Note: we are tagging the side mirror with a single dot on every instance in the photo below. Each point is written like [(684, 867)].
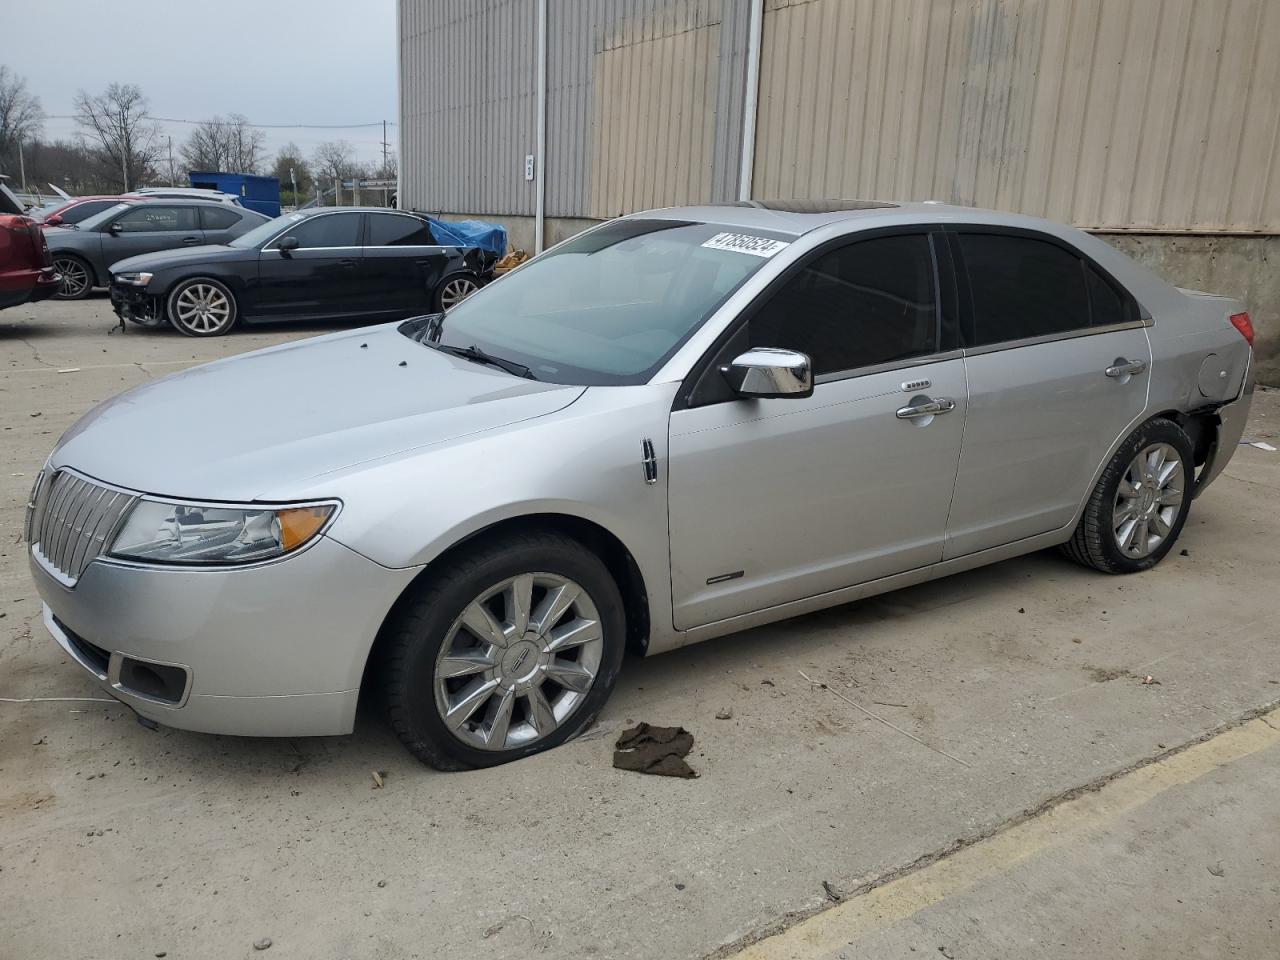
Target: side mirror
[(287, 244), (116, 229), (766, 372)]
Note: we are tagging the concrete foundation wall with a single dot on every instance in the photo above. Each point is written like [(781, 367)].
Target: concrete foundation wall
[(1237, 266)]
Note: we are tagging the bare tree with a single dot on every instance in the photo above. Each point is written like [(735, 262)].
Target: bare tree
[(116, 126), (20, 115), (334, 159), (229, 146)]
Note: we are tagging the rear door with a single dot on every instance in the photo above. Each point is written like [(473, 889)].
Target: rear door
[(220, 224), (320, 278), (401, 265), (148, 227), (1057, 358)]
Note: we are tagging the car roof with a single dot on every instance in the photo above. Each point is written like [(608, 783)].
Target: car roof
[(798, 217)]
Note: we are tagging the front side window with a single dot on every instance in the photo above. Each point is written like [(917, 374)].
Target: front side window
[(392, 230), (155, 218), (327, 230), (83, 211), (611, 305), (867, 303), (1022, 287)]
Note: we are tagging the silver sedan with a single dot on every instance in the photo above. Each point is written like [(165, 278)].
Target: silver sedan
[(674, 426)]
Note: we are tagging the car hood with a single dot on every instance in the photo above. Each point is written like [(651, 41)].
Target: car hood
[(163, 259), (262, 425)]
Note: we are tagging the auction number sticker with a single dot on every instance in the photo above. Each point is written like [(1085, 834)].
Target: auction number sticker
[(744, 243)]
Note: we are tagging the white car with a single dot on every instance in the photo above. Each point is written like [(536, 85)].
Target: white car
[(186, 193)]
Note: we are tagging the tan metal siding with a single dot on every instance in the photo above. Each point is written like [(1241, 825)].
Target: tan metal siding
[(1110, 114)]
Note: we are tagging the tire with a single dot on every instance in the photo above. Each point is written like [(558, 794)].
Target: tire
[(202, 307), (434, 663), (452, 290), (1130, 529), (77, 277)]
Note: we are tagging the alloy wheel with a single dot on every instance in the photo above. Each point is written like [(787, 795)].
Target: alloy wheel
[(75, 278), (455, 291), (518, 661), (203, 308), (1148, 500)]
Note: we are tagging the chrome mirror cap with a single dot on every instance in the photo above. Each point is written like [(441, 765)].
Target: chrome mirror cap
[(765, 372)]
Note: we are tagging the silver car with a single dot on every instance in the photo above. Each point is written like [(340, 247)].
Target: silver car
[(677, 425)]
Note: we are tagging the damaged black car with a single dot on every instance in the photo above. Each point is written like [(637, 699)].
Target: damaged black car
[(366, 265)]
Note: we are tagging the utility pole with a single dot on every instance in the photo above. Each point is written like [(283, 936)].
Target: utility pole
[(294, 180), (384, 149), (22, 168), (172, 182)]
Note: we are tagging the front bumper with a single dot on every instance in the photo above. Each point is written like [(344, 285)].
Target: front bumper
[(132, 302), (274, 649)]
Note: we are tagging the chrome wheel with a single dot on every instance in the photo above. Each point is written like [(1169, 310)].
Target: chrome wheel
[(518, 662), (455, 291), (202, 308), (75, 278), (1148, 500)]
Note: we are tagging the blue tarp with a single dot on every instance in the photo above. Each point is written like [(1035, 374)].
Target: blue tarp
[(489, 237)]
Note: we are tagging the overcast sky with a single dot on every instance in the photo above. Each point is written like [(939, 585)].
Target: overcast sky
[(299, 62)]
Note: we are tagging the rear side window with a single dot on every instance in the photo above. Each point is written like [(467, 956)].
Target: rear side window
[(391, 230), (1106, 303), (328, 230), (218, 218), (154, 218), (1022, 287), (867, 303)]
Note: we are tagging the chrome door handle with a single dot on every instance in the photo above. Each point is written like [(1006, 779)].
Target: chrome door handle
[(928, 409), (1124, 368)]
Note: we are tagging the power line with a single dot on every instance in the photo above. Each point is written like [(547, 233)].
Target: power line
[(265, 126)]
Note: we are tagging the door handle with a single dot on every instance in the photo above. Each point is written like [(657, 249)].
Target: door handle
[(929, 408), (1125, 368), (190, 239), (347, 262)]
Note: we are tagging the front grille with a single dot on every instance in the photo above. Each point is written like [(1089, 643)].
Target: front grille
[(71, 519)]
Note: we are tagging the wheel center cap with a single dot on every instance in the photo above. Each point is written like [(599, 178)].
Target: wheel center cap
[(520, 661), (1148, 501)]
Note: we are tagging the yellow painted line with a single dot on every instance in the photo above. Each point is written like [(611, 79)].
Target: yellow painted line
[(844, 924)]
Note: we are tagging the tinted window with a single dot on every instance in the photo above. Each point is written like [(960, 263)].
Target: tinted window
[(1022, 288), (151, 217), (1108, 306), (388, 230), (82, 211), (217, 218), (327, 230), (870, 302)]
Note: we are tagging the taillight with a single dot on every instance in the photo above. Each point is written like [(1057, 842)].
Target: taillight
[(1242, 323)]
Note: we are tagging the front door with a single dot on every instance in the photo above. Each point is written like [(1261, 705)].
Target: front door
[(1056, 356), (776, 500), (148, 227), (318, 278)]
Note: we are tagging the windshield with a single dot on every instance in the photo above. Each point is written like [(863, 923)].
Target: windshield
[(610, 306), (91, 223), (265, 231)]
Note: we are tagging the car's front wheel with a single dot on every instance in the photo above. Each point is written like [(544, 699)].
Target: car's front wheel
[(510, 650), (1140, 503), (77, 277), (202, 307)]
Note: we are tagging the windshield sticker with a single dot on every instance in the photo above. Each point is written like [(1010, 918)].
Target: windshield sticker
[(744, 243)]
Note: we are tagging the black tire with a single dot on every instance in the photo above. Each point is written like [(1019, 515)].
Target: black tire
[(1094, 543), (218, 327), (446, 289), (70, 265), (407, 669)]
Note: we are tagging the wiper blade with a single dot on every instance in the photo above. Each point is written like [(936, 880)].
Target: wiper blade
[(476, 355)]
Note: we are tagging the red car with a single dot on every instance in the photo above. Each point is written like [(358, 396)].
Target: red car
[(72, 211), (26, 269)]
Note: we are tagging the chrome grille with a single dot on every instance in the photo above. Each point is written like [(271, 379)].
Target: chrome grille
[(70, 520)]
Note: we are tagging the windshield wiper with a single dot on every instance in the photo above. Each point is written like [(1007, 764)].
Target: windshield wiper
[(476, 355)]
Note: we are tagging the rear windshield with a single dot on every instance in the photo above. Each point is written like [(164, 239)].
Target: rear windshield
[(612, 305)]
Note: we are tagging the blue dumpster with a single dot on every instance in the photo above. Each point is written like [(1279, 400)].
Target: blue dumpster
[(257, 193)]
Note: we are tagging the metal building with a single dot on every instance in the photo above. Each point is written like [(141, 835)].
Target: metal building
[(1153, 122)]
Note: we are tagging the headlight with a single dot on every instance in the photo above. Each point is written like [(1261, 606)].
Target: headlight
[(161, 532), (139, 279)]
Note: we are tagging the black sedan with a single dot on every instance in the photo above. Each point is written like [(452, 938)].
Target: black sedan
[(83, 253), (371, 266)]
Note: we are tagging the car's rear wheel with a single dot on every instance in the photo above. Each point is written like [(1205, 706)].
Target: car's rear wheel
[(1140, 503), (454, 289), (511, 650), (202, 307), (77, 277)]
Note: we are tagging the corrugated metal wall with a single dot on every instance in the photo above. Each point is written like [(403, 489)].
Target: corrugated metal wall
[(1109, 114)]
